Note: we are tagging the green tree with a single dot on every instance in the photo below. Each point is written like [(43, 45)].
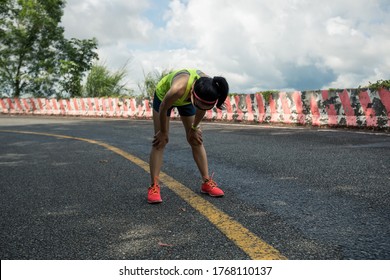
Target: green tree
[(29, 36), (76, 58), (101, 82), (34, 55)]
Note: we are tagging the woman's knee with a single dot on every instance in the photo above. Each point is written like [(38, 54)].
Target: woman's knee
[(193, 143)]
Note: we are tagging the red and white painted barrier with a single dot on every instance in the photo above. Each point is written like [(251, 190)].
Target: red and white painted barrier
[(90, 107), (350, 108), (353, 108)]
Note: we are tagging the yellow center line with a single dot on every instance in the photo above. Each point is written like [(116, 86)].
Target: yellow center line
[(251, 244)]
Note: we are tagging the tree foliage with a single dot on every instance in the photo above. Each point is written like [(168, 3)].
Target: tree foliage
[(379, 84), (35, 57), (76, 58), (101, 82)]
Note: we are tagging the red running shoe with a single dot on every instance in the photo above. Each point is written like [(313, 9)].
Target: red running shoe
[(210, 187), (154, 195)]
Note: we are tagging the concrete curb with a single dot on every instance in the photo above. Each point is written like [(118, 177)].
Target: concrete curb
[(346, 108)]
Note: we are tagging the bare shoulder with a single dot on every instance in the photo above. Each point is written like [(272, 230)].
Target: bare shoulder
[(179, 83)]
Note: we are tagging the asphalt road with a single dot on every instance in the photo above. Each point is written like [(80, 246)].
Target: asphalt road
[(308, 193)]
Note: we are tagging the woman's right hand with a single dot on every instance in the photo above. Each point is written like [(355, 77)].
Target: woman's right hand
[(195, 137), (160, 140)]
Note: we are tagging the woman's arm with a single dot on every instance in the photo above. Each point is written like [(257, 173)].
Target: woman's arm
[(199, 115), (174, 93), (195, 134)]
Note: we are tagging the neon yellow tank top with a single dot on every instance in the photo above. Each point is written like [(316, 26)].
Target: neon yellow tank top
[(165, 84)]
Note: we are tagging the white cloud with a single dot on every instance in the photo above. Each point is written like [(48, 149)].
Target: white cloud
[(107, 20), (256, 45)]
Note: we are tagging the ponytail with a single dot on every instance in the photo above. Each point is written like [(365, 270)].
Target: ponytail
[(212, 89), (222, 87)]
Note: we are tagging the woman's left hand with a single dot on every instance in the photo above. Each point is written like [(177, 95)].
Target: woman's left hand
[(195, 137)]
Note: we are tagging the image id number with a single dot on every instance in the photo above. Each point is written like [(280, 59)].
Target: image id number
[(221, 270)]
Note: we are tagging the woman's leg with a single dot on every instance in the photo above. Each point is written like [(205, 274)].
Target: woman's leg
[(198, 151), (209, 186), (156, 156)]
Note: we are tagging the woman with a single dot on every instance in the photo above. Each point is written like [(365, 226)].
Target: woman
[(192, 93)]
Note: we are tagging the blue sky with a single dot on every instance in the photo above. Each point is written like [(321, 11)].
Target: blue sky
[(256, 44), (155, 12)]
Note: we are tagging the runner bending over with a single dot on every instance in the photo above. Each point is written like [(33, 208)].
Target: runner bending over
[(192, 93)]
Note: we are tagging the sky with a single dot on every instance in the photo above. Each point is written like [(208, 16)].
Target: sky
[(256, 45)]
